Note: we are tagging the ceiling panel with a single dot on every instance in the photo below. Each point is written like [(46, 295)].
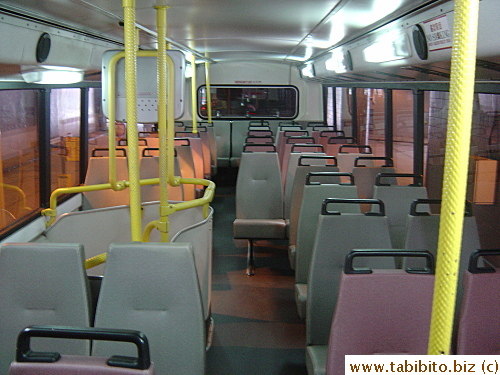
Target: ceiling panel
[(296, 29)]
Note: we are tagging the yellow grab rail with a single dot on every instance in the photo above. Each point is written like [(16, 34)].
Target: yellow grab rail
[(208, 90), (193, 94), (172, 208), (130, 34), (455, 174)]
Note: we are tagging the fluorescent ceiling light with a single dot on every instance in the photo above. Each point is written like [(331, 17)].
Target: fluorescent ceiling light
[(391, 47), (189, 71), (337, 63), (52, 75), (308, 70)]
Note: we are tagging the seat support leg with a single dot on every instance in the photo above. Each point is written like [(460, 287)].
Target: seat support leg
[(250, 259)]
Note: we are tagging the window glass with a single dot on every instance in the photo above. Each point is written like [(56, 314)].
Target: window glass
[(249, 102), (19, 150), (64, 137)]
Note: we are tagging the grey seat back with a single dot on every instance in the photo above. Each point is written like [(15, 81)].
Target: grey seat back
[(310, 210), (199, 235), (336, 236), (42, 284), (365, 176), (293, 166), (98, 173), (397, 201), (149, 168), (293, 195), (160, 298), (258, 187), (186, 164), (423, 234)]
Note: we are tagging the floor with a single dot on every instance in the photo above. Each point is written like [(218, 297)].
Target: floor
[(257, 329)]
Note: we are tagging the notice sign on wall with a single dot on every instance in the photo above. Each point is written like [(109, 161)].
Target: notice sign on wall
[(438, 33)]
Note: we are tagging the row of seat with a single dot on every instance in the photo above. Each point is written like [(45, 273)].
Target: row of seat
[(149, 287), (388, 312), (188, 163)]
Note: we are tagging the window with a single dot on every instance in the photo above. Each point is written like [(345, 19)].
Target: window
[(236, 102)]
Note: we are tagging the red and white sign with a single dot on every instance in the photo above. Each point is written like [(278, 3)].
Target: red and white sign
[(437, 33)]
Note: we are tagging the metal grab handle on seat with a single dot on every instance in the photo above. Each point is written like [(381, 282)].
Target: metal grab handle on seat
[(417, 178), (378, 202), (389, 161), (349, 269), (329, 174), (24, 353)]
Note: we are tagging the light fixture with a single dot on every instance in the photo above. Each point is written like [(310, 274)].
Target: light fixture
[(393, 46), (340, 62), (52, 75), (189, 71), (307, 71)]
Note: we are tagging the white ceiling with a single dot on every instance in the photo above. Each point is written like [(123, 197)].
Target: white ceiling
[(283, 30)]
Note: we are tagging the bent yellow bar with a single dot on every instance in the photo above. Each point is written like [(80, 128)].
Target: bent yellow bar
[(455, 174), (111, 77), (208, 90), (193, 93), (204, 201), (131, 110), (161, 23)]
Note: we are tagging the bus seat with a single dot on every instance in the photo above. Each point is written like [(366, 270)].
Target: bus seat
[(259, 201), (199, 235), (288, 176), (197, 156), (333, 144), (42, 283), (149, 168), (98, 173), (287, 170), (186, 164), (322, 133), (286, 149), (204, 135), (373, 316), (313, 197), (423, 233), (336, 236), (346, 157), (479, 324), (293, 195), (397, 200), (200, 159), (364, 176), (284, 134), (153, 288)]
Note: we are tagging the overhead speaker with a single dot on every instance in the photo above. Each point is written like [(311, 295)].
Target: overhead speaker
[(420, 42), (43, 48)]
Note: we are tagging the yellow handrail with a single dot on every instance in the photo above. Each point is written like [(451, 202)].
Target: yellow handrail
[(204, 201), (163, 61), (111, 77), (193, 94), (130, 34), (455, 174), (208, 90)]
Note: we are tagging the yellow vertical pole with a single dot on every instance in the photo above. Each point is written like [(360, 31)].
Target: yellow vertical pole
[(209, 94), (193, 93), (132, 134), (161, 23), (455, 174)]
